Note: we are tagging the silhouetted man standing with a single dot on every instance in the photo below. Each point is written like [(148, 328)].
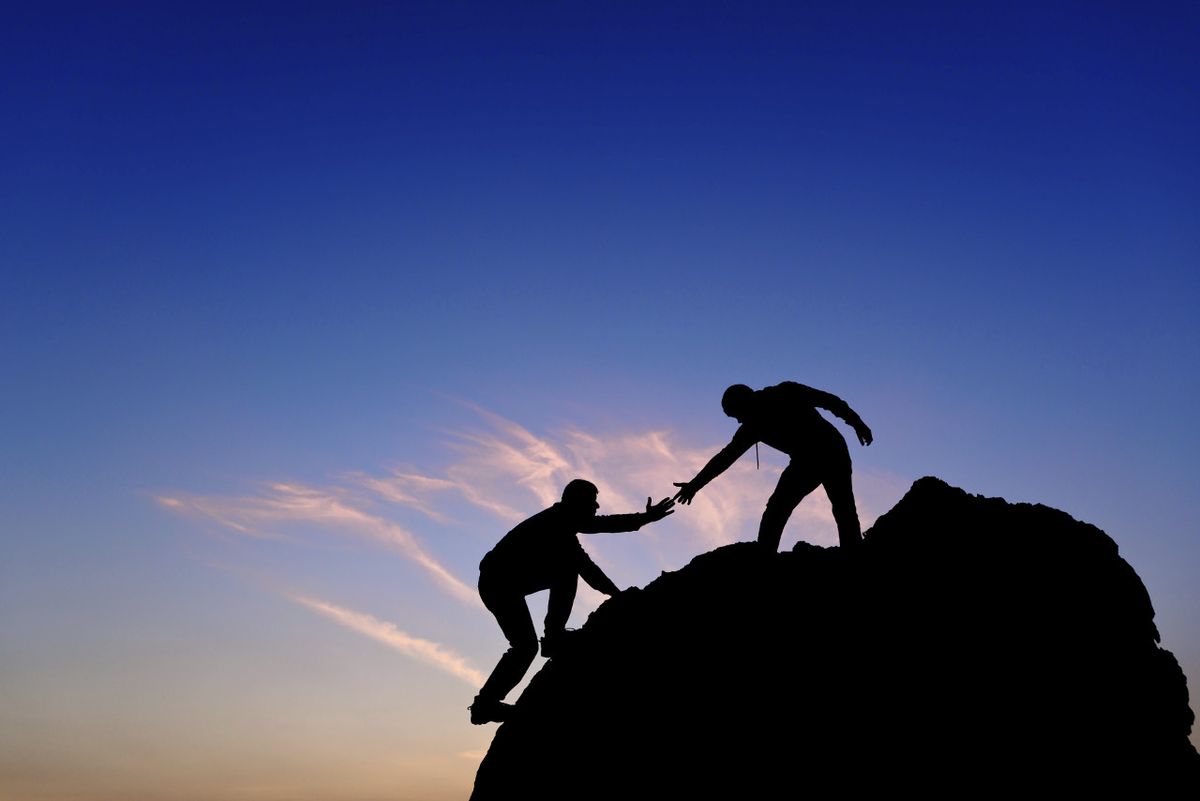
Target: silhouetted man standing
[(544, 553), (785, 417)]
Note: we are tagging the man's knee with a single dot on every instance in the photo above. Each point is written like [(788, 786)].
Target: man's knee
[(770, 528), (843, 507), (782, 504), (524, 648), (842, 504)]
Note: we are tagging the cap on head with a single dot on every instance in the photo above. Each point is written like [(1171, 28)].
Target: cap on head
[(736, 400), (579, 491)]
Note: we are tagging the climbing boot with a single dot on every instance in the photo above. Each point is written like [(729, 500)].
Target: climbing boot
[(485, 711)]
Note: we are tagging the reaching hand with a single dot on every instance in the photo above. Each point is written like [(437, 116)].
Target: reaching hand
[(686, 493), (661, 509), (864, 434)]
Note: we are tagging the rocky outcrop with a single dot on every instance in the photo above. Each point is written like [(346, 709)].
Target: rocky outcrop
[(969, 645)]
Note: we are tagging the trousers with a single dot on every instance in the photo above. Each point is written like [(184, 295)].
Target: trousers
[(507, 604), (831, 469)]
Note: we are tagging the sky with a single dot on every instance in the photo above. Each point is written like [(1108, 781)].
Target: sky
[(304, 305)]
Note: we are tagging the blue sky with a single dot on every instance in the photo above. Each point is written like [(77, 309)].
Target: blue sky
[(271, 272)]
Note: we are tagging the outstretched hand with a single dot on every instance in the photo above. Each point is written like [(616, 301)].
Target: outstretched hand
[(661, 509), (686, 493), (864, 434)]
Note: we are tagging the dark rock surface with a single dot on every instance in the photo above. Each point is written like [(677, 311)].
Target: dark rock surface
[(970, 645)]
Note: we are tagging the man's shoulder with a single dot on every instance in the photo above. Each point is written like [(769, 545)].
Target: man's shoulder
[(786, 399), (746, 435), (550, 516), (782, 392), (790, 392)]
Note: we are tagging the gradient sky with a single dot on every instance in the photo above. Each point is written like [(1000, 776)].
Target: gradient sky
[(303, 305)]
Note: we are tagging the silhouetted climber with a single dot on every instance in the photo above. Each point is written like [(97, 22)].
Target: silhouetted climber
[(785, 417), (544, 553)]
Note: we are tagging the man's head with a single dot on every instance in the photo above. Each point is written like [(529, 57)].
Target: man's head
[(736, 401), (580, 496)]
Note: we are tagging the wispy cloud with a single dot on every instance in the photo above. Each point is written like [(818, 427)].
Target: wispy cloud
[(411, 490), (508, 452), (284, 503), (423, 492), (427, 651)]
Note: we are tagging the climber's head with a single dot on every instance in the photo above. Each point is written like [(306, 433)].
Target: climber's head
[(736, 401), (580, 497)]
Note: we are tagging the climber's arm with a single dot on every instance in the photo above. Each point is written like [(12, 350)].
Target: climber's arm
[(834, 404), (722, 461)]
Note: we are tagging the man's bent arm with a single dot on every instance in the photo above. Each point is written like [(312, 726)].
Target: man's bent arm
[(722, 461), (834, 404), (590, 572)]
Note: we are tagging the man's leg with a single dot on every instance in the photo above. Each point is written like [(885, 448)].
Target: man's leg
[(512, 613), (796, 482), (558, 610), (840, 489)]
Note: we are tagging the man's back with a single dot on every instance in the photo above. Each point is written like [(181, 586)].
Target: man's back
[(785, 417), (537, 549), (545, 548)]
